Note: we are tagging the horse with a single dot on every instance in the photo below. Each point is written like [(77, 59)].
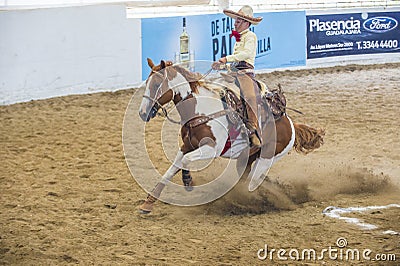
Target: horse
[(201, 122)]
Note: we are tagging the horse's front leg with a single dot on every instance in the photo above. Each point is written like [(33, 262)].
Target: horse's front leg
[(202, 153), (181, 161), (187, 180), (148, 204)]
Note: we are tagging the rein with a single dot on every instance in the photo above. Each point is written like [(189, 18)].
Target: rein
[(165, 112), (206, 74)]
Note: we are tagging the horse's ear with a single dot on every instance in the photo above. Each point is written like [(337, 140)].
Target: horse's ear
[(150, 63), (162, 64)]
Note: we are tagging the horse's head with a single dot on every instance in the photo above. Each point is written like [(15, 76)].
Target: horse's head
[(158, 91)]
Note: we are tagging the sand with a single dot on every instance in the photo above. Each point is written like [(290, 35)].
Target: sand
[(67, 195)]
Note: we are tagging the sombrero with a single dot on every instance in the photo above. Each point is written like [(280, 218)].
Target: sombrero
[(246, 13)]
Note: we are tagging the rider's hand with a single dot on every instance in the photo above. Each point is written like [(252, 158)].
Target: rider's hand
[(217, 64), (223, 60)]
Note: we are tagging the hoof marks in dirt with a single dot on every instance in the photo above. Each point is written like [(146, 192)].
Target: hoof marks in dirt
[(110, 206), (69, 259)]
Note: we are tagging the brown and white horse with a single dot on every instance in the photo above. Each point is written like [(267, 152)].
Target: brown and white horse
[(208, 138)]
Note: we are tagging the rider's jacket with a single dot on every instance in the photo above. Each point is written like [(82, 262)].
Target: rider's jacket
[(245, 49)]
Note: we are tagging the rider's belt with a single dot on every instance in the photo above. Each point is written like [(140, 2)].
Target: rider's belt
[(243, 67)]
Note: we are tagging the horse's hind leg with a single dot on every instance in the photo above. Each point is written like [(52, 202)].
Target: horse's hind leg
[(147, 206)]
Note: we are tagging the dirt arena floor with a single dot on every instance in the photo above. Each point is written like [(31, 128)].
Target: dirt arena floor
[(67, 195)]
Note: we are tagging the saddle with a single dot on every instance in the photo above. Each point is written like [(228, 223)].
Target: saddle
[(230, 96), (275, 100)]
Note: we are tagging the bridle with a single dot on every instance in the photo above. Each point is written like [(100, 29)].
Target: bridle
[(156, 105)]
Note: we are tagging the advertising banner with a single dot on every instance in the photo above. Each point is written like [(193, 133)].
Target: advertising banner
[(351, 34), (281, 39)]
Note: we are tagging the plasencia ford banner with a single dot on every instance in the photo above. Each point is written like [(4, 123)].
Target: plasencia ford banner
[(350, 34)]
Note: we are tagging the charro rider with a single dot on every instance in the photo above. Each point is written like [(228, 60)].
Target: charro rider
[(242, 59)]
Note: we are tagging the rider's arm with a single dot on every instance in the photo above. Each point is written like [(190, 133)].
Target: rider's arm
[(245, 50)]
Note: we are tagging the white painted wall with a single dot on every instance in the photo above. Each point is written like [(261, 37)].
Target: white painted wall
[(53, 52), (72, 50)]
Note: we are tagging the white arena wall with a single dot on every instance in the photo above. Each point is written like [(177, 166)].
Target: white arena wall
[(71, 50), (51, 52)]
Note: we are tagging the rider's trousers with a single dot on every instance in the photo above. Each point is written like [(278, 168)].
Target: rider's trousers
[(250, 93)]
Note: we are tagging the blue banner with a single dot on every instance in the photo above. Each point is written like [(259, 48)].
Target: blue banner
[(281, 39), (351, 34)]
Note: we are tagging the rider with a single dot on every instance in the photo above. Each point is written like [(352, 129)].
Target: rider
[(242, 59)]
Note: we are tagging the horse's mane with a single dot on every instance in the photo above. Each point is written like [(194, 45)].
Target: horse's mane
[(195, 79), (192, 77)]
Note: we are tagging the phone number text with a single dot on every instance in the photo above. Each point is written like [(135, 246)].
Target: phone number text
[(382, 44)]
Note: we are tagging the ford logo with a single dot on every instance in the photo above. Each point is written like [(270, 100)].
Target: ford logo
[(380, 24)]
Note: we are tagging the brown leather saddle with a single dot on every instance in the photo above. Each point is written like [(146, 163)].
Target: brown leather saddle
[(275, 100), (235, 106)]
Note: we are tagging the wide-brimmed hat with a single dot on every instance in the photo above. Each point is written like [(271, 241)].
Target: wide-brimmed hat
[(246, 13)]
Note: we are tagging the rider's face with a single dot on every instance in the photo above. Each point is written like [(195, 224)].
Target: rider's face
[(241, 24)]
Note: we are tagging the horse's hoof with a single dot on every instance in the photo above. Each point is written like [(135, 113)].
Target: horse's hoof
[(188, 188), (146, 207), (144, 211), (188, 185)]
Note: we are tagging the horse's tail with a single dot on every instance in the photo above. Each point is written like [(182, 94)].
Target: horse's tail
[(307, 138)]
